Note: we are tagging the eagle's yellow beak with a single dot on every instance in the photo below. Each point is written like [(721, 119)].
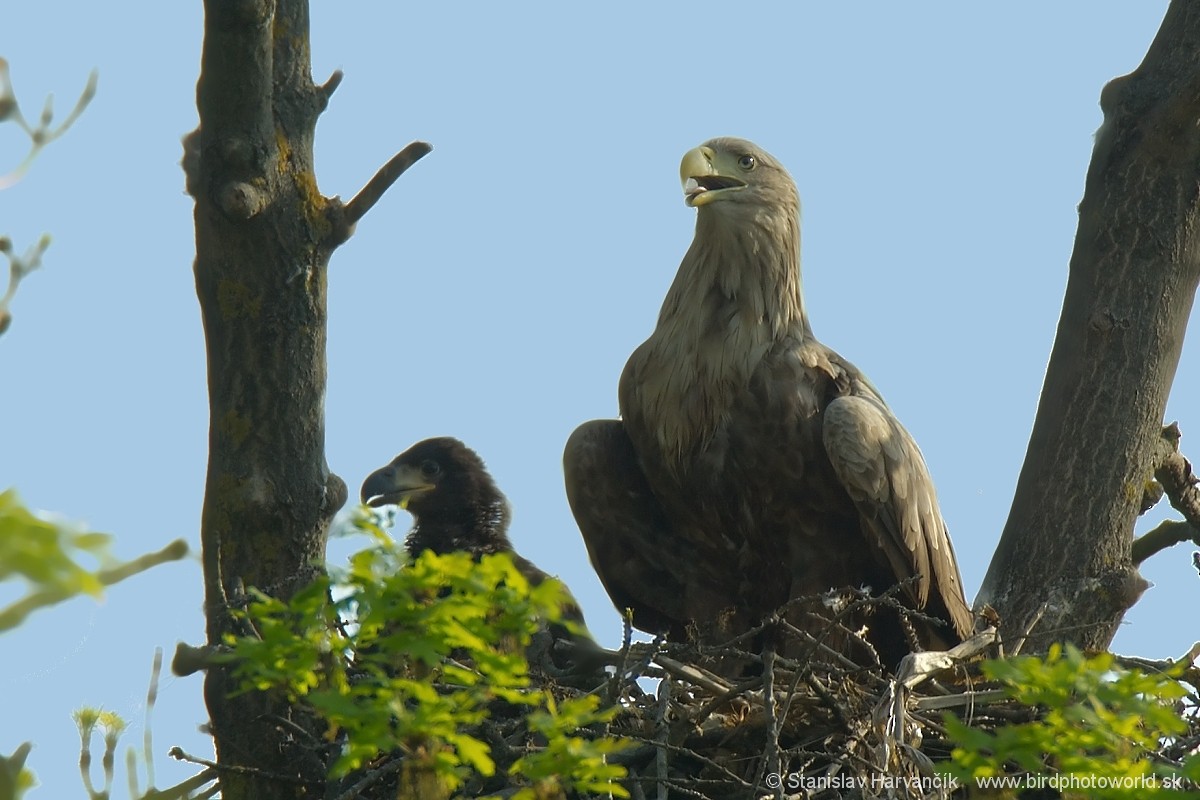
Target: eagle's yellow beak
[(702, 180)]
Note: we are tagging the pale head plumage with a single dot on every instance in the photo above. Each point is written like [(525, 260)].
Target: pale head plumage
[(736, 293)]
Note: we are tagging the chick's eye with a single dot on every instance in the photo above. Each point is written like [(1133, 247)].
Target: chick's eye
[(430, 468), (746, 162)]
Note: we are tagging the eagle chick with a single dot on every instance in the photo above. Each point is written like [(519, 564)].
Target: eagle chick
[(457, 507)]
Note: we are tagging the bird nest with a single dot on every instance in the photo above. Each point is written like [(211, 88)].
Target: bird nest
[(816, 726), (806, 721)]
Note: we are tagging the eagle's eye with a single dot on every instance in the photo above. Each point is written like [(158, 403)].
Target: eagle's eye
[(746, 163), (429, 468)]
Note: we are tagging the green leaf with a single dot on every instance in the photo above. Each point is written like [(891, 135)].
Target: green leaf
[(431, 646), (1094, 718)]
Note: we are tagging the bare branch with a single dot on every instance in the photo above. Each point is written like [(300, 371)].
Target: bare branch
[(960, 700), (372, 777), (662, 738), (19, 267), (1033, 623), (89, 91), (185, 790), (1167, 534), (189, 660), (179, 754), (618, 678), (771, 764), (172, 552), (349, 215), (326, 89), (915, 668), (41, 134), (693, 674), (1189, 672), (147, 737)]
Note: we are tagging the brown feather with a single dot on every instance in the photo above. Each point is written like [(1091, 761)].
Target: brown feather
[(775, 464), (457, 507)]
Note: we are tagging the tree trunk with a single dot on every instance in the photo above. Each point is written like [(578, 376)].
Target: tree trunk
[(264, 236), (262, 247), (1063, 570)]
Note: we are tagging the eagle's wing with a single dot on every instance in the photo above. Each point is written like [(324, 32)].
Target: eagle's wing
[(884, 473), (624, 528)]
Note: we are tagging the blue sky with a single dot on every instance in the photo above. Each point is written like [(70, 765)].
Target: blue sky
[(495, 293)]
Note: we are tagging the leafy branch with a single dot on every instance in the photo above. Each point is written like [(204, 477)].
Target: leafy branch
[(45, 553), (410, 663), (1094, 719)]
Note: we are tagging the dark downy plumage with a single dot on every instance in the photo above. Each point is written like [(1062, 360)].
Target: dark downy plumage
[(456, 506), (753, 464)]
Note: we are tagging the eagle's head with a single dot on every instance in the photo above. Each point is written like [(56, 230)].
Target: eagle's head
[(435, 479), (734, 176)]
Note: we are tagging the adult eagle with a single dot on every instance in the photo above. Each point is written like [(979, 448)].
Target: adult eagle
[(753, 464), (457, 507)]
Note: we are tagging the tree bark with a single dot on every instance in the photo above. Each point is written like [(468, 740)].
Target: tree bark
[(263, 242), (1063, 569), (264, 237)]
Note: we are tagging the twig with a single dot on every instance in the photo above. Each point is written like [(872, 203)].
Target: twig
[(1167, 533), (981, 697), (370, 194), (688, 792), (179, 754), (772, 761), (1188, 661), (12, 615), (326, 89), (688, 752), (862, 599), (687, 672), (1024, 637), (19, 267), (719, 700), (172, 552), (818, 645), (373, 777), (41, 134), (661, 737), (635, 785), (184, 789), (797, 676), (296, 730), (827, 699), (151, 699), (618, 678), (189, 659), (915, 668)]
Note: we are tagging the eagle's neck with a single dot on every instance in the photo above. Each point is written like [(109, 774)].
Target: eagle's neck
[(736, 295), (741, 273), (479, 528)]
